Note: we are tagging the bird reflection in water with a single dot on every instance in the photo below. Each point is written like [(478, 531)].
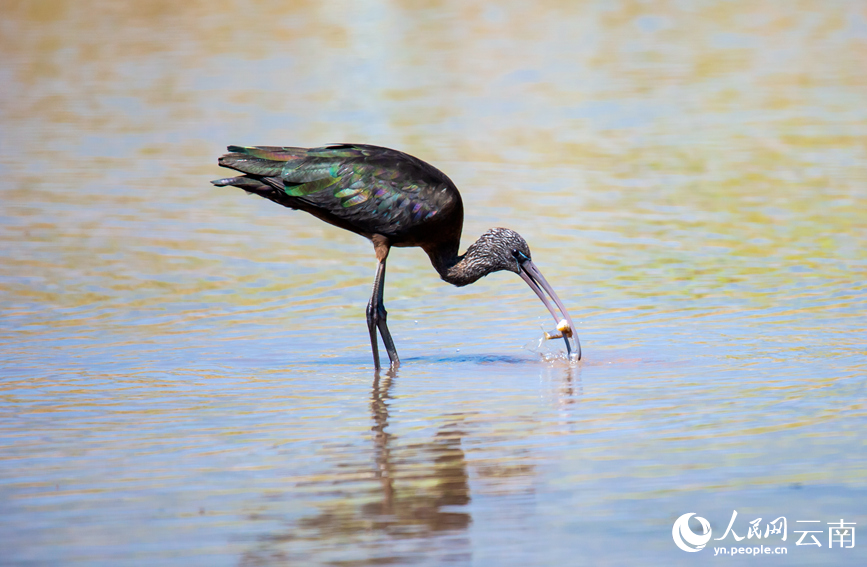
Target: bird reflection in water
[(413, 512), (568, 383), (413, 506), (566, 389)]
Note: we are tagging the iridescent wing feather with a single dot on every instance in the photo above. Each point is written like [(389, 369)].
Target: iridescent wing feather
[(366, 189)]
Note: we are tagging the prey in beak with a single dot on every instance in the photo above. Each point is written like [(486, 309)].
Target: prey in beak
[(537, 282)]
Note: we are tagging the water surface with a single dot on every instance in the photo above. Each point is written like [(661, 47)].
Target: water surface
[(186, 375)]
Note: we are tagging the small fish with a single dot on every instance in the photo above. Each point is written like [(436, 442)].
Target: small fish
[(563, 329)]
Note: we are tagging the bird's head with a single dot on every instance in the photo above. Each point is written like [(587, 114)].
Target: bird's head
[(505, 249), (501, 249)]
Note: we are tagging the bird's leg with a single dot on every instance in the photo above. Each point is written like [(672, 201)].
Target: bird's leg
[(383, 328), (376, 316), (376, 313), (371, 321)]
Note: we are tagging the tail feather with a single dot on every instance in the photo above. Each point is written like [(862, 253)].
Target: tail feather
[(262, 160), (272, 153), (292, 165), (284, 175), (267, 187), (249, 184), (251, 165)]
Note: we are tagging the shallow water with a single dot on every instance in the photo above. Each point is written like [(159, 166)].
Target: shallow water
[(186, 375)]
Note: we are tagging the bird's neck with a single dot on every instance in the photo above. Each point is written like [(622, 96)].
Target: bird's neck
[(459, 270)]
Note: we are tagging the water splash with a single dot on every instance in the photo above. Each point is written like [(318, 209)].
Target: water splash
[(543, 347)]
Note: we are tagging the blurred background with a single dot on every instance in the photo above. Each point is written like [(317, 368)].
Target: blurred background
[(185, 372)]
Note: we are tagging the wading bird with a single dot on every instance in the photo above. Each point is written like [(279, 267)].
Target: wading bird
[(393, 199)]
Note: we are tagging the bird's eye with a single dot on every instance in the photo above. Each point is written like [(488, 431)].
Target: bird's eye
[(519, 256)]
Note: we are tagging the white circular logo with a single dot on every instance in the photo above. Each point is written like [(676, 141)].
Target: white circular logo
[(683, 536)]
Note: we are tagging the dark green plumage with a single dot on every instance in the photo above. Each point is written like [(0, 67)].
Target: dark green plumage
[(366, 189)]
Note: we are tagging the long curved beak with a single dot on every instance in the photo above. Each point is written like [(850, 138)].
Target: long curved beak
[(537, 282)]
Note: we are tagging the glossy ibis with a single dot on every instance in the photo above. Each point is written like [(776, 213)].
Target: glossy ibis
[(393, 199)]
